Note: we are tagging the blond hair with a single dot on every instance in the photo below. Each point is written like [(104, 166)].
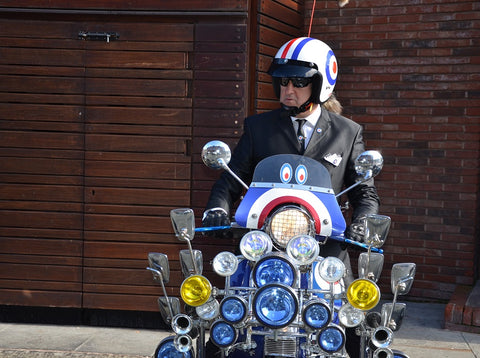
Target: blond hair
[(333, 105)]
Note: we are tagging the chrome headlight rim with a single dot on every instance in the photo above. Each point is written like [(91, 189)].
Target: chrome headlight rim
[(221, 324), (293, 300), (331, 328), (241, 301), (271, 221), (280, 257), (312, 304)]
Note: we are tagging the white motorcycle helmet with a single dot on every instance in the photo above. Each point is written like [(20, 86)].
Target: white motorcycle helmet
[(306, 57)]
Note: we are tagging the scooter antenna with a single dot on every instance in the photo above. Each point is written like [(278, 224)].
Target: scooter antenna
[(311, 18)]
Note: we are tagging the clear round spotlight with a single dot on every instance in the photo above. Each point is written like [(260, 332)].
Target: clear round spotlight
[(225, 264), (350, 316), (255, 244), (209, 310), (331, 269), (303, 249)]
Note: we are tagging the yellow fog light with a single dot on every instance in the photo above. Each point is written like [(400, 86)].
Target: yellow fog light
[(196, 290), (363, 294)]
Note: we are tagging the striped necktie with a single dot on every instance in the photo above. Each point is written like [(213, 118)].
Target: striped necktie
[(300, 135)]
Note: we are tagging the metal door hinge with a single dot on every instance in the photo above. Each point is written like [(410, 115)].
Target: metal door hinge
[(98, 36)]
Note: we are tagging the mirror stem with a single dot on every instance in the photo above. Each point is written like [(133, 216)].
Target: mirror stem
[(195, 267), (387, 324), (160, 276), (367, 176), (225, 167)]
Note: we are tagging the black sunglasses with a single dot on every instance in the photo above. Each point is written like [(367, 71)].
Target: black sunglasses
[(298, 82)]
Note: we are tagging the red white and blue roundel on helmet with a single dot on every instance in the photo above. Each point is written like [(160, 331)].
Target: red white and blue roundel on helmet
[(304, 57), (289, 179)]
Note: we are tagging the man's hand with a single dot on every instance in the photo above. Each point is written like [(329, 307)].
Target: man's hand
[(356, 230), (215, 217)]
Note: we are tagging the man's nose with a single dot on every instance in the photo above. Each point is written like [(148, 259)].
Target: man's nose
[(290, 86)]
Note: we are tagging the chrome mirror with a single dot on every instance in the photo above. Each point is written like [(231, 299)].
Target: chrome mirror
[(216, 154), (169, 307), (392, 315), (402, 278), (376, 229), (183, 221), (159, 263), (189, 267), (370, 265), (369, 164)]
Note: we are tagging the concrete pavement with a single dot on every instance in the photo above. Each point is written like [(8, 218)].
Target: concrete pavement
[(421, 336)]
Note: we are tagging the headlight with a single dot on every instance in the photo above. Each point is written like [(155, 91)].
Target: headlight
[(255, 244), (287, 222), (303, 249), (233, 309), (223, 334), (225, 264), (363, 294), (196, 290), (331, 339), (275, 305), (316, 314), (208, 310), (350, 316), (331, 269), (274, 269), (166, 349)]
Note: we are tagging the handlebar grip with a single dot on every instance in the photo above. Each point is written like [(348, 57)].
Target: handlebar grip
[(355, 243)]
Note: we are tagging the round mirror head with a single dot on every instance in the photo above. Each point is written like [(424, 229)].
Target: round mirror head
[(216, 154), (369, 164)]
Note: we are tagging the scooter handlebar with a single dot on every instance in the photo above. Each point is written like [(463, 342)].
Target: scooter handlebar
[(336, 238)]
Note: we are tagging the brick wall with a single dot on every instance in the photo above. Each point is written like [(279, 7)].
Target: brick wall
[(409, 73)]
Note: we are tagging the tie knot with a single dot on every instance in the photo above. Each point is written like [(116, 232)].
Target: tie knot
[(300, 122)]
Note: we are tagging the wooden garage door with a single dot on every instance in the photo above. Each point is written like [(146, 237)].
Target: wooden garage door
[(94, 149), (138, 125)]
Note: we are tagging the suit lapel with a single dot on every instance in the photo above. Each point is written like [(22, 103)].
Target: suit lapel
[(321, 128), (286, 127)]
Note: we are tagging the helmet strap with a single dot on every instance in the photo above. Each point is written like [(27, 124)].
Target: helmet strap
[(293, 111)]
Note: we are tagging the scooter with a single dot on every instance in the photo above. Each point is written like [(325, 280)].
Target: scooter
[(281, 298)]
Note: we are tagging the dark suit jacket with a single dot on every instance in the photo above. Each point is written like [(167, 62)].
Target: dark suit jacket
[(336, 142)]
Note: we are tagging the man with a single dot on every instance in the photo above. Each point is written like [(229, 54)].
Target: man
[(304, 73)]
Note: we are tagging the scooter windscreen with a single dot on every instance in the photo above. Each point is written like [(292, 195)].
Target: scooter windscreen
[(289, 179)]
